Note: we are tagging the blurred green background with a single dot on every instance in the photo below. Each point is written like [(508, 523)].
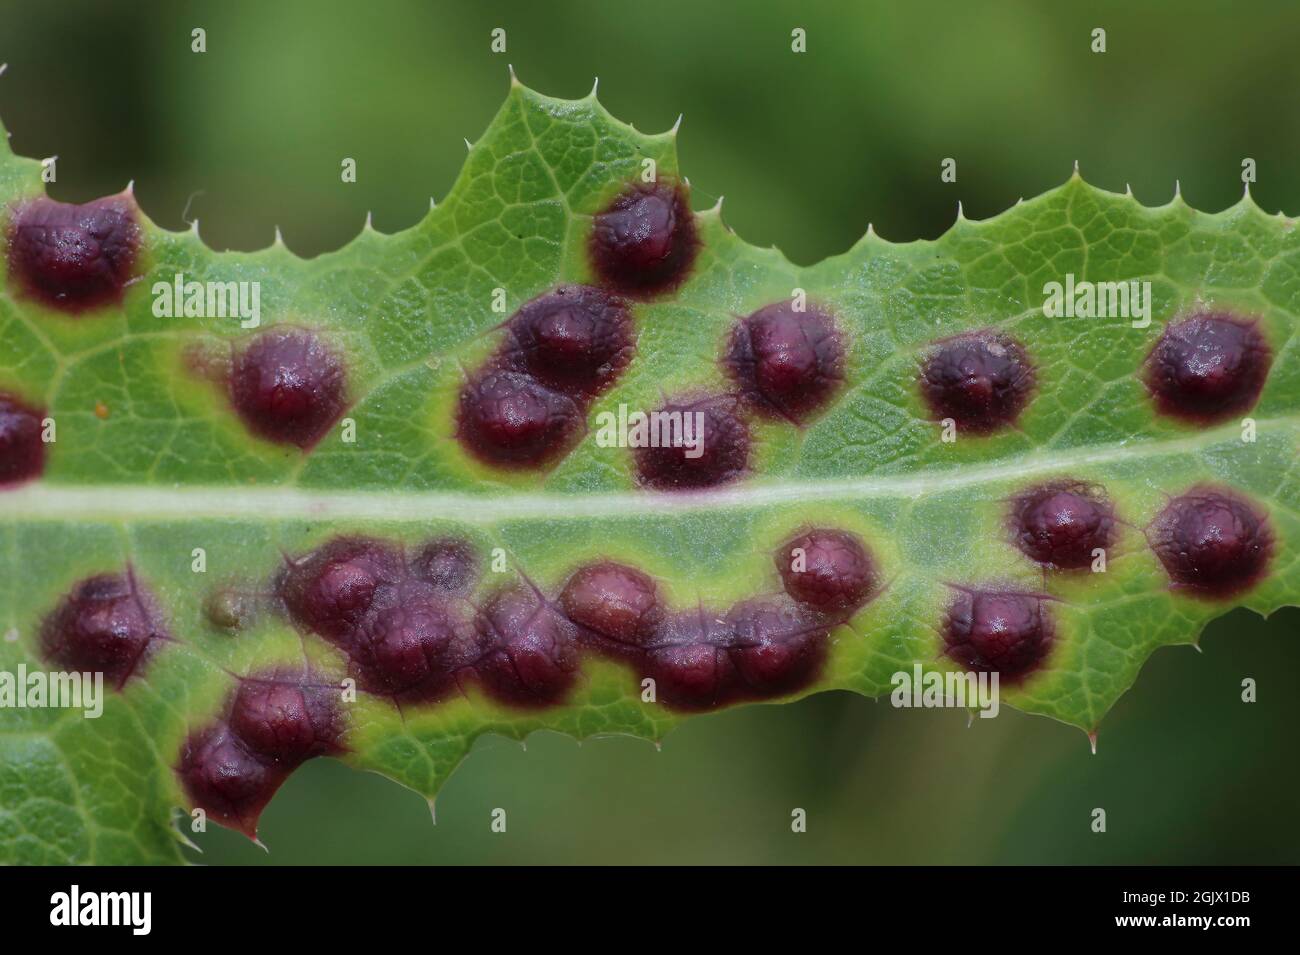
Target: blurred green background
[(808, 149)]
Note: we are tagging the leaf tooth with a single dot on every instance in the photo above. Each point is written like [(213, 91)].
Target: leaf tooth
[(715, 212), (676, 125), (1092, 741), (185, 213), (3, 67), (179, 833), (469, 145), (595, 85), (433, 811), (514, 79), (1076, 174), (1247, 200), (961, 216)]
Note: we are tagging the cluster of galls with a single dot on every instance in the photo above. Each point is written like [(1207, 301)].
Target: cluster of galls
[(700, 658), (406, 623), (1061, 526), (271, 725), (286, 384), (411, 632), (111, 624), (1212, 542), (1205, 369), (525, 407), (71, 258), (996, 629), (786, 362)]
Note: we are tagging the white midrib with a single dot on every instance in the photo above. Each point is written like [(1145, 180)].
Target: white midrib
[(42, 502)]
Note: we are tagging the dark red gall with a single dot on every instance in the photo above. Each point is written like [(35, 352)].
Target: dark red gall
[(705, 444), (448, 563), (1212, 542), (644, 242), (1061, 524), (1208, 368), (981, 380), (998, 631), (107, 623), (526, 654), (788, 364), (286, 721), (74, 257), (827, 570), (576, 340), (288, 386), (22, 452), (332, 588), (613, 601), (224, 778)]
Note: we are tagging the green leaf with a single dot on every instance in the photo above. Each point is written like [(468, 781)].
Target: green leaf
[(150, 463)]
